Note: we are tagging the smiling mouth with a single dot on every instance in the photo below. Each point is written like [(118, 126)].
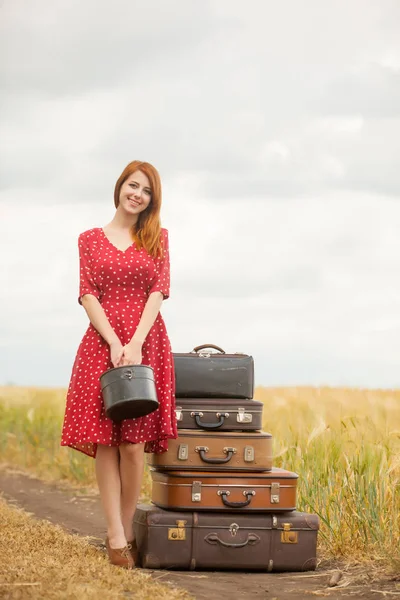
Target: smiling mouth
[(134, 203)]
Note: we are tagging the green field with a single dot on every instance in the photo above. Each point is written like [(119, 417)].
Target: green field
[(343, 443)]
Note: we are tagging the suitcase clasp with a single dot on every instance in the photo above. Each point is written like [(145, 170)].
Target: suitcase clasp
[(244, 417), (183, 452), (177, 533), (196, 491), (288, 536), (179, 413), (233, 529), (204, 354), (248, 454), (275, 497)]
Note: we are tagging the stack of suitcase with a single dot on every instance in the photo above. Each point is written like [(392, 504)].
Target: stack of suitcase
[(218, 502)]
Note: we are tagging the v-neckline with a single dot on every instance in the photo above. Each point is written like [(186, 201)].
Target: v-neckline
[(113, 245)]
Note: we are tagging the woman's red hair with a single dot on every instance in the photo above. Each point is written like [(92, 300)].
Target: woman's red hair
[(147, 230)]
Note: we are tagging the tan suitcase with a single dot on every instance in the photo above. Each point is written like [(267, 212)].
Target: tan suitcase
[(219, 450), (235, 491)]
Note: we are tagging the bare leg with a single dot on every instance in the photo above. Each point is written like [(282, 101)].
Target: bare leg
[(109, 482), (131, 471)]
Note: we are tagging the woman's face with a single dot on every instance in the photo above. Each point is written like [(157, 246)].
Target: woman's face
[(135, 193)]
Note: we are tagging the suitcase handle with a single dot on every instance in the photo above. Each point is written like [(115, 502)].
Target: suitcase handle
[(224, 493), (212, 538), (202, 425), (197, 348), (215, 461)]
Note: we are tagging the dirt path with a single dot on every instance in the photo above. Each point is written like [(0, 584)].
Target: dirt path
[(82, 515)]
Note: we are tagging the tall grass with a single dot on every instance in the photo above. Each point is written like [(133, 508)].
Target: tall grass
[(343, 443), (345, 446)]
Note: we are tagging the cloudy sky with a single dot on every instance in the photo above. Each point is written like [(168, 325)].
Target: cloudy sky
[(276, 129)]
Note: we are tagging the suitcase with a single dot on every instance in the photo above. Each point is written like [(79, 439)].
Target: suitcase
[(214, 450), (268, 541), (204, 374), (184, 490), (219, 414)]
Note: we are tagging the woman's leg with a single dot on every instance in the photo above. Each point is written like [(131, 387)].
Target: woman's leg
[(131, 471), (109, 482)]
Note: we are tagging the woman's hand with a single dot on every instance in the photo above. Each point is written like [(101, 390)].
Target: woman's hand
[(132, 353), (117, 351)]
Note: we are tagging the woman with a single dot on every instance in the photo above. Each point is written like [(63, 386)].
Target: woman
[(124, 277)]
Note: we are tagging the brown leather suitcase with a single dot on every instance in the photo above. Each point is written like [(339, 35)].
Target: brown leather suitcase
[(211, 451), (184, 490), (204, 374), (219, 414), (267, 541)]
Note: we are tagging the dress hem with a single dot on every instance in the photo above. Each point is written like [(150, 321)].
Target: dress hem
[(156, 445)]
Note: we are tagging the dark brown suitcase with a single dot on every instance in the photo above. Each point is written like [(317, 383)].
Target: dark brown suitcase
[(205, 374), (211, 451), (268, 541), (184, 490), (219, 414)]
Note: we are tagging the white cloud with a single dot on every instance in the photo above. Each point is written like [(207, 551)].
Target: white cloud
[(276, 131)]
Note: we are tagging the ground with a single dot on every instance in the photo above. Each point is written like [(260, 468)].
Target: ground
[(81, 514)]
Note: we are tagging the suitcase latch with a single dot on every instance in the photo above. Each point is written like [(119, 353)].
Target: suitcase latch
[(183, 452), (201, 449), (177, 533), (196, 491), (244, 417), (275, 493), (233, 529), (179, 413), (248, 454), (288, 536)]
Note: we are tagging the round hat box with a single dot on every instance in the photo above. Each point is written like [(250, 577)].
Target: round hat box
[(129, 392)]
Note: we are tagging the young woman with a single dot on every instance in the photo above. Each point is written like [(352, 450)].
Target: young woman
[(124, 277)]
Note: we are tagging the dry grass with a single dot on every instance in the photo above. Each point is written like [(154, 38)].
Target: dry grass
[(343, 443), (39, 560), (345, 446)]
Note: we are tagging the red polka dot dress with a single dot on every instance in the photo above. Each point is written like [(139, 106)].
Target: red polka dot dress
[(122, 282)]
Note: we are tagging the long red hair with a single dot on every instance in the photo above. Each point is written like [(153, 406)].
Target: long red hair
[(147, 231)]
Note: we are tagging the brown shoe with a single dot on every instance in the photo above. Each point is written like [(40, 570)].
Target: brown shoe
[(120, 556), (134, 552)]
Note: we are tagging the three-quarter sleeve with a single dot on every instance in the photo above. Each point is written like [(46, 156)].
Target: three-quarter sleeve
[(161, 283), (87, 283)]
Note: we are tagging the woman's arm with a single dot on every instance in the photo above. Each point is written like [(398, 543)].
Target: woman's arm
[(132, 352), (149, 315), (159, 291), (98, 319)]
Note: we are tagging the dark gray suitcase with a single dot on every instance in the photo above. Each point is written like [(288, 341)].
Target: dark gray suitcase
[(266, 541), (219, 414), (205, 374)]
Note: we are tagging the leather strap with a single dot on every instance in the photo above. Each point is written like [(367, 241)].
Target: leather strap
[(212, 538), (203, 346), (216, 461), (229, 504), (202, 425)]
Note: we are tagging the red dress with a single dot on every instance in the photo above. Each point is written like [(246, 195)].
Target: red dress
[(122, 282)]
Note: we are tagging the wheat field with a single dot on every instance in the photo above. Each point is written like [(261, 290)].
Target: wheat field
[(343, 443)]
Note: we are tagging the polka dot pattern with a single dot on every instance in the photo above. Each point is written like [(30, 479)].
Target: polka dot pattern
[(122, 282)]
